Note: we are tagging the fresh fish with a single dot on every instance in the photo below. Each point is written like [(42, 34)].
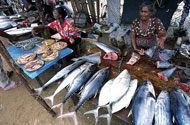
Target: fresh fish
[(105, 47), (92, 86), (162, 109), (94, 58), (78, 82), (62, 73), (104, 98), (165, 75), (67, 81), (126, 99), (118, 89), (161, 64), (150, 52), (144, 104), (180, 106)]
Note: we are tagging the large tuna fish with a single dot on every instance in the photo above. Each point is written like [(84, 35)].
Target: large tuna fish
[(104, 98), (67, 81), (144, 104), (92, 86), (62, 73), (180, 106), (105, 47), (94, 58), (77, 83), (162, 109)]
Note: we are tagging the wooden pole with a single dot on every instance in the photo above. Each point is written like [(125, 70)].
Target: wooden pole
[(16, 70), (42, 17)]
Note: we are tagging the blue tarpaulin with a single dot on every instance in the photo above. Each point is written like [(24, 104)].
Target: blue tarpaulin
[(16, 52)]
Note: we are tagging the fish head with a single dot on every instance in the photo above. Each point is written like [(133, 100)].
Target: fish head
[(148, 87), (164, 95), (180, 95), (92, 67)]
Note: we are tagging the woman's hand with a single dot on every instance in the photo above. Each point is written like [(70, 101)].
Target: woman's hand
[(34, 32), (160, 43), (140, 51), (72, 41)]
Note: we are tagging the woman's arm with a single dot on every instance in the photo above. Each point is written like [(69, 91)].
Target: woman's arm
[(162, 38), (133, 39)]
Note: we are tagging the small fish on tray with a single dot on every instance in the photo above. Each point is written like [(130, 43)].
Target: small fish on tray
[(34, 40)]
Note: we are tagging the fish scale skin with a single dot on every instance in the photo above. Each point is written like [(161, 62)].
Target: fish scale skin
[(93, 85), (144, 104), (162, 109), (80, 80), (180, 106)]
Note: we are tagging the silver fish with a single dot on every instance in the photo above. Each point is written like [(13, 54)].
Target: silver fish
[(105, 47), (78, 82), (162, 109), (180, 106), (92, 86), (93, 58), (104, 98), (144, 104), (126, 99), (62, 73), (67, 81)]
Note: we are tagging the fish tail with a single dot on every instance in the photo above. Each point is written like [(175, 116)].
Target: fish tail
[(108, 116), (95, 112), (73, 115), (109, 108), (39, 90), (60, 106), (51, 98)]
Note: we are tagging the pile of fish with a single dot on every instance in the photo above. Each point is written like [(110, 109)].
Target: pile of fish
[(145, 107), (115, 95), (29, 42)]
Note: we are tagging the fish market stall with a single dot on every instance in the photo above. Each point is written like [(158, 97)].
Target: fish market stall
[(144, 69)]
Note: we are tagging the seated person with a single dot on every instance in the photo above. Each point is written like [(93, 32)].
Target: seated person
[(145, 29), (62, 26), (30, 6), (47, 13)]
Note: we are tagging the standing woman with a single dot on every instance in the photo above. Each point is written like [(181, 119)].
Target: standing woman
[(63, 26), (147, 31)]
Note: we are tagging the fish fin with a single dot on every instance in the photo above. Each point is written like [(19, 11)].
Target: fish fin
[(60, 106), (73, 115), (95, 94), (95, 112), (108, 118), (39, 90), (130, 113), (151, 95), (109, 108), (51, 98)]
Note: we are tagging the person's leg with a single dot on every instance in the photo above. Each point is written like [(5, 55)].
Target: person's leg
[(185, 12), (5, 82)]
